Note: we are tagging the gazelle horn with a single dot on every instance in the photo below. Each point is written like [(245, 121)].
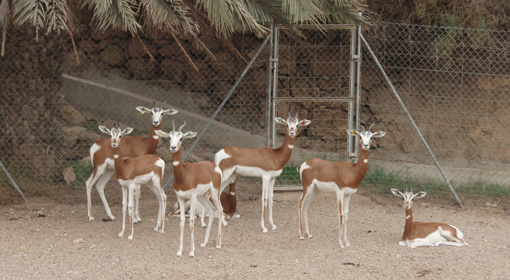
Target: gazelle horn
[(173, 125), (362, 126), (297, 113), (369, 129), (161, 106), (288, 113), (116, 125), (180, 128)]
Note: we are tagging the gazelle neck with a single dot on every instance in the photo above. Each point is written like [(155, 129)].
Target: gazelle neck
[(178, 167), (151, 142), (285, 150), (119, 162), (409, 220), (362, 164)]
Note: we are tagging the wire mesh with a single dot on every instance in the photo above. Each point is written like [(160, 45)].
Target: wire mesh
[(454, 83)]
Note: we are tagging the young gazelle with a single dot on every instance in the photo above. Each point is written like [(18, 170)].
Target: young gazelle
[(192, 181), (266, 163), (342, 178), (133, 172), (426, 234), (101, 155)]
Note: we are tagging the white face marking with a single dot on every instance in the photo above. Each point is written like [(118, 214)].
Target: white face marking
[(175, 163), (175, 141), (291, 147), (155, 137), (365, 160)]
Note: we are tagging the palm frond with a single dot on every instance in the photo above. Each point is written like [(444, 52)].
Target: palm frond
[(59, 17), (169, 15), (344, 11), (303, 11), (4, 11), (229, 16), (31, 12), (117, 14)]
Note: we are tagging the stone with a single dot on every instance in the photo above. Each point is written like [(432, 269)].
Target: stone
[(70, 115), (113, 55)]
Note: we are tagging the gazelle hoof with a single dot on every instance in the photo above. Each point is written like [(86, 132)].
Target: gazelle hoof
[(203, 244), (264, 230), (179, 254), (91, 218), (301, 238), (121, 234), (218, 246), (273, 227), (130, 237), (191, 255)]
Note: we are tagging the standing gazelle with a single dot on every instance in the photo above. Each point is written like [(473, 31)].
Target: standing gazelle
[(266, 163), (192, 181), (426, 234), (342, 178), (101, 155), (133, 172)]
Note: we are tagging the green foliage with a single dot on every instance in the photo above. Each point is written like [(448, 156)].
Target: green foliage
[(290, 173), (82, 171)]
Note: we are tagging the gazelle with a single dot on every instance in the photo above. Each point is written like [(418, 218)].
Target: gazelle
[(426, 234), (133, 172), (192, 181), (101, 155), (342, 178), (228, 203), (266, 163)]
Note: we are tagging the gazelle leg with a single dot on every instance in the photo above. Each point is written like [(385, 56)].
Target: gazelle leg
[(311, 193), (210, 210), (108, 173), (157, 192), (217, 203), (98, 171), (124, 208), (347, 198), (182, 206), (224, 184), (136, 217), (270, 202), (265, 188), (131, 196), (340, 200), (192, 206)]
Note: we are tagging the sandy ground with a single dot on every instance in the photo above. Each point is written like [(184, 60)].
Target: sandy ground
[(65, 245)]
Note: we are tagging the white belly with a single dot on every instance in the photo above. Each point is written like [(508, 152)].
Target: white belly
[(250, 171), (138, 180), (332, 187)]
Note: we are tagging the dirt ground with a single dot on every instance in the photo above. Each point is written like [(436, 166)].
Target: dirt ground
[(58, 242)]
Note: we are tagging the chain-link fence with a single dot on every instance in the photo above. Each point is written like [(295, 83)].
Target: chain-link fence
[(453, 81)]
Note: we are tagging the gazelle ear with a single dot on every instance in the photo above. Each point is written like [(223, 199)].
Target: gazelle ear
[(162, 133), (351, 131), (304, 122), (170, 112), (189, 134), (104, 129), (127, 131), (379, 134), (280, 120), (142, 109), (420, 195), (397, 193)]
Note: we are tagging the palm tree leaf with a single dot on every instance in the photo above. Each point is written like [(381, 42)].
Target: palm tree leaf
[(4, 11), (118, 14), (59, 17), (170, 15), (30, 11)]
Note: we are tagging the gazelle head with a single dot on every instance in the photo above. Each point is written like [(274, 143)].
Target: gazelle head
[(366, 136), (292, 123), (157, 112), (176, 137), (408, 197), (115, 133)]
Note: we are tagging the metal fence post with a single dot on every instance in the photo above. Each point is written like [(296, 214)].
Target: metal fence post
[(12, 181), (410, 118), (213, 117)]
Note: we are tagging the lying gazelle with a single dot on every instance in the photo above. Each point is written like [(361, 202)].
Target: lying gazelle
[(133, 172), (192, 181), (426, 234), (342, 178), (101, 155), (266, 163)]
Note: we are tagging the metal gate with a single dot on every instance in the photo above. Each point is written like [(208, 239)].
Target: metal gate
[(319, 76)]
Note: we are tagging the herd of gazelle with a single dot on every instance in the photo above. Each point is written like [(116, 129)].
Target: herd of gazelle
[(133, 162)]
